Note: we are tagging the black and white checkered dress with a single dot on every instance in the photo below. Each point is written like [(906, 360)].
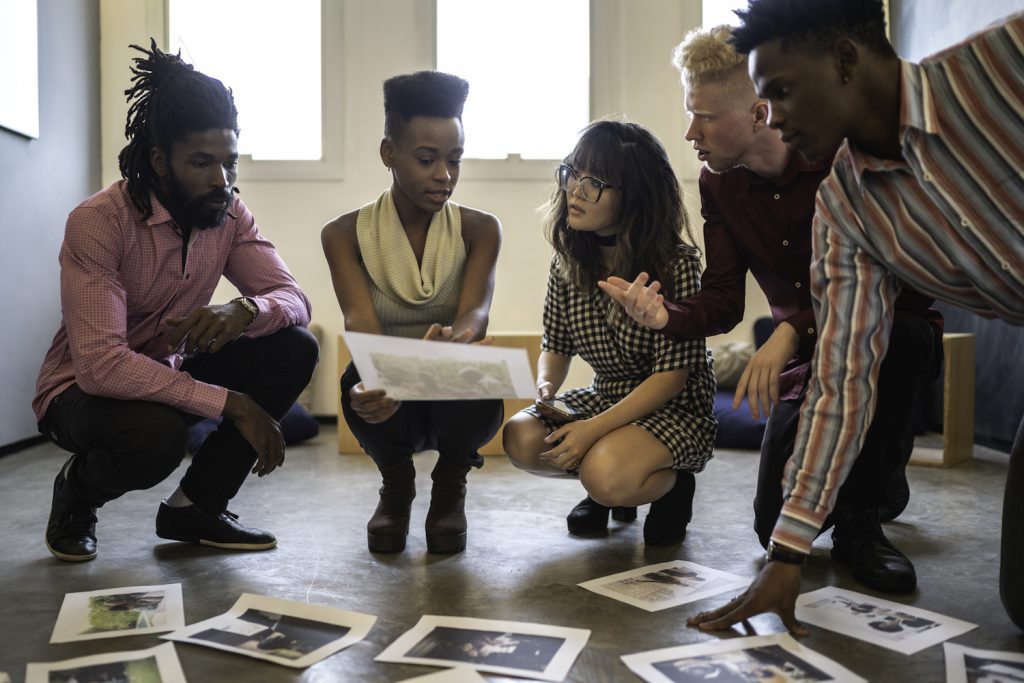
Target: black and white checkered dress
[(624, 353)]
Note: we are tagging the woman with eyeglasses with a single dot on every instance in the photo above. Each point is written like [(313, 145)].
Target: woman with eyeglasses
[(414, 264), (646, 424)]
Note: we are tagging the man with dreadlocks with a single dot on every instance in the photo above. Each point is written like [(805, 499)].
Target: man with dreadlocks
[(927, 191), (141, 353)]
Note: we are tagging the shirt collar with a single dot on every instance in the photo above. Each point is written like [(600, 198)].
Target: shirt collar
[(797, 164)]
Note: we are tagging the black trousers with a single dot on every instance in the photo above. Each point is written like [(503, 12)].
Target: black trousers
[(456, 429), (911, 361), (1011, 568), (131, 445)]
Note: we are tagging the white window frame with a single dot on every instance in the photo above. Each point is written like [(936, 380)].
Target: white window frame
[(603, 19), (330, 165)]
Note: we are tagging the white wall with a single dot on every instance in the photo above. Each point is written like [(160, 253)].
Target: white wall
[(632, 75)]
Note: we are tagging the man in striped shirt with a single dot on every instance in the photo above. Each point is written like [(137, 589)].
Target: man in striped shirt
[(926, 190), (141, 353)]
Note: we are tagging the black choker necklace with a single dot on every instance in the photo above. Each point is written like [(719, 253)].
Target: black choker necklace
[(605, 240)]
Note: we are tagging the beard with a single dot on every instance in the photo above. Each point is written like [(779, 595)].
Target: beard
[(189, 210)]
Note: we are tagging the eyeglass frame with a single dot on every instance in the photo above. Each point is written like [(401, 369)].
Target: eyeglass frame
[(601, 185)]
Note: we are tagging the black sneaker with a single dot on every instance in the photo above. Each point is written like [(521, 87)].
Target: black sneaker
[(590, 517), (71, 529), (192, 524)]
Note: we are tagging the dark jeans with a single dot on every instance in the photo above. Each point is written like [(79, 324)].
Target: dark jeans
[(911, 361), (130, 445), (455, 428), (1011, 568)]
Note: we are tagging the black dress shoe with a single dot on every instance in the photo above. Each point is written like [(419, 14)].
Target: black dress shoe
[(666, 522), (192, 524), (897, 495), (590, 517), (858, 541), (71, 529)]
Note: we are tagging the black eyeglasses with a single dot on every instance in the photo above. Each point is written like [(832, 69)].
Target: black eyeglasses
[(589, 188)]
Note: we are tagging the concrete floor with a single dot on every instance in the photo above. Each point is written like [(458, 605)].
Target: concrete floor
[(520, 564)]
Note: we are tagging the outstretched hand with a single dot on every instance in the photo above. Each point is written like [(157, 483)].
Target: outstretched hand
[(775, 589), (759, 382), (640, 301)]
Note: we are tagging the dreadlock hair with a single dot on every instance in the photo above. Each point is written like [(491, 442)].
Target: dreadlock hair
[(171, 100), (652, 220), (424, 93), (812, 25)]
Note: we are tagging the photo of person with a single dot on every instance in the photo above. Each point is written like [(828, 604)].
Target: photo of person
[(514, 650), (664, 585), (274, 634), (154, 665), (968, 665), (139, 671), (122, 611), (770, 663)]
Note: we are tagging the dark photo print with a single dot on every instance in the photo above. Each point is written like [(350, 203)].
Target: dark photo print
[(275, 634), (138, 671), (759, 664), (493, 648), (988, 670)]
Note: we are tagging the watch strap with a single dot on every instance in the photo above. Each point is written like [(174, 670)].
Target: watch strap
[(779, 553)]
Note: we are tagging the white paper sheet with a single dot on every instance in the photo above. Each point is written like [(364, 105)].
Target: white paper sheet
[(413, 369), (110, 612), (966, 665), (668, 584), (294, 634), (158, 663), (777, 657), (456, 675), (535, 651), (892, 625)]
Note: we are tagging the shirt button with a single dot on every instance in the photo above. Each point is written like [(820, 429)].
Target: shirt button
[(1006, 265), (798, 285), (187, 276), (964, 222), (810, 330), (928, 177), (785, 243), (776, 196)]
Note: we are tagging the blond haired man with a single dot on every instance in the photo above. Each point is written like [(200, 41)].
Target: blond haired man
[(757, 200)]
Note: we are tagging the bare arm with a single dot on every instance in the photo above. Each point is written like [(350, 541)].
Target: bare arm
[(481, 233), (552, 369)]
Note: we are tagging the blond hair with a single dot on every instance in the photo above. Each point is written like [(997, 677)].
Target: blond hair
[(707, 56)]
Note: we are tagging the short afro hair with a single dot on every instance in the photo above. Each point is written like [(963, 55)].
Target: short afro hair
[(424, 93), (812, 25)]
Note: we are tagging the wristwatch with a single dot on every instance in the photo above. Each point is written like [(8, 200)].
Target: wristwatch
[(249, 305), (780, 553)]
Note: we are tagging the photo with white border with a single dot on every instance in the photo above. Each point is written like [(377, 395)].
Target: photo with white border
[(668, 584), (777, 657), (881, 622), (536, 651), (459, 674), (156, 665), (111, 612), (285, 632), (970, 665)]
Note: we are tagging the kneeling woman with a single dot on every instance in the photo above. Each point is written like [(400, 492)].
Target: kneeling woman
[(413, 264), (638, 433)]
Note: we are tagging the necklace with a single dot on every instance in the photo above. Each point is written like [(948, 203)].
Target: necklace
[(605, 240)]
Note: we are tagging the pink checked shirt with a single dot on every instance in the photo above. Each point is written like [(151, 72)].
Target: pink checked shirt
[(121, 277)]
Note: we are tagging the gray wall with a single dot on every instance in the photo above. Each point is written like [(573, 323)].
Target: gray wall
[(922, 27), (40, 182)]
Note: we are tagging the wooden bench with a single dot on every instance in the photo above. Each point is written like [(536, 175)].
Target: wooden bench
[(957, 407)]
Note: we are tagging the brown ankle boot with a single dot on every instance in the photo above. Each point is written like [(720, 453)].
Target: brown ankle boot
[(387, 529), (446, 518)]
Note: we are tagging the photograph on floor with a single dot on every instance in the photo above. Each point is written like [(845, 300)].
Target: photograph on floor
[(668, 584), (970, 665), (294, 634), (892, 625), (414, 369), (459, 674), (777, 657), (155, 665), (111, 612), (537, 651)]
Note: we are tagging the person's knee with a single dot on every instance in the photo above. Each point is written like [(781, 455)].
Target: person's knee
[(519, 441), (301, 348), (609, 486)]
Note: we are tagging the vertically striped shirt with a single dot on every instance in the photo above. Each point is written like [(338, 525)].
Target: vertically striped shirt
[(947, 220)]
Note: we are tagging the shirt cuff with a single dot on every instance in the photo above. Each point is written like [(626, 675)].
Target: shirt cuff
[(208, 400), (798, 527)]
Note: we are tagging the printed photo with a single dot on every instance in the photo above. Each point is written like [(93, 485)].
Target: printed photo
[(155, 665), (892, 625), (459, 674), (533, 651), (669, 584), (968, 665), (119, 612), (294, 634), (758, 659)]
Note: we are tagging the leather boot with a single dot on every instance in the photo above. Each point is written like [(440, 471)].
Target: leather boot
[(590, 517), (897, 495), (858, 541), (446, 517), (667, 519), (387, 529)]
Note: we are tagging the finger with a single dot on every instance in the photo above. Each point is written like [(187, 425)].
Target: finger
[(733, 616), (773, 387), (741, 388), (462, 337), (486, 341), (789, 620), (618, 283), (716, 613), (433, 333), (181, 329), (764, 392)]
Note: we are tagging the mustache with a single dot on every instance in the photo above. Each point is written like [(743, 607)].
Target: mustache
[(217, 196)]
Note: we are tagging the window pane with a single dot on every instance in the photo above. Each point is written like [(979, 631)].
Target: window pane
[(717, 12), (528, 67), (276, 82)]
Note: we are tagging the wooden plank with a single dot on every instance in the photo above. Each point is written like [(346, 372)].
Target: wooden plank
[(957, 405)]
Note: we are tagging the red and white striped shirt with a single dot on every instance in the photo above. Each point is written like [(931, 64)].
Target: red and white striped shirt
[(947, 220), (122, 277)]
